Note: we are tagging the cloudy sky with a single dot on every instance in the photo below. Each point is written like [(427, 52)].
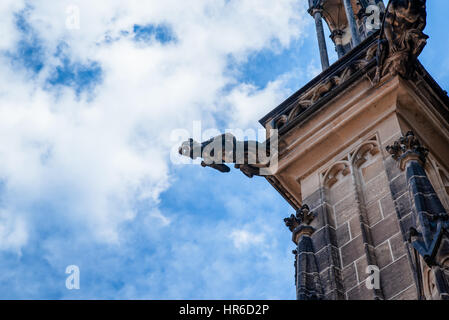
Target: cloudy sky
[(87, 123)]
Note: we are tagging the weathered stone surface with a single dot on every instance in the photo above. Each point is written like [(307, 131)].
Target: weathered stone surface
[(383, 255), (396, 278), (398, 246), (349, 277), (331, 279), (391, 166), (409, 294), (407, 222), (343, 235), (384, 230), (355, 227), (324, 237), (375, 188), (403, 205), (346, 209), (372, 170), (373, 213), (361, 265), (314, 200), (340, 190), (328, 257), (387, 205), (330, 216), (323, 216), (352, 251), (361, 292), (334, 295), (398, 186)]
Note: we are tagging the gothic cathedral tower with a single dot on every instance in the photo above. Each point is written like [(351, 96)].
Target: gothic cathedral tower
[(362, 155), (364, 159)]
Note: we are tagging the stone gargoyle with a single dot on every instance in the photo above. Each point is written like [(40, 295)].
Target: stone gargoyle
[(248, 156)]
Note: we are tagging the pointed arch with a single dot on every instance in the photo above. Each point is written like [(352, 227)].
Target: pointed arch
[(359, 156), (331, 175)]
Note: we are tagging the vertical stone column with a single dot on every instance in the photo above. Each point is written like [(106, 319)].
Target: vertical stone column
[(316, 12), (429, 236), (307, 278), (352, 23), (336, 37)]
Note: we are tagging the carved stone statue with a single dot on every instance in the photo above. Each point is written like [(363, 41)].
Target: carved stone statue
[(248, 156), (405, 21)]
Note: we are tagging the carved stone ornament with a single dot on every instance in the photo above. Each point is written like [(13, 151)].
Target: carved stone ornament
[(248, 156), (408, 148), (402, 39), (324, 87), (299, 224)]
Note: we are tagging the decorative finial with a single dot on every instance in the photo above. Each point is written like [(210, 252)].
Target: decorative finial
[(299, 224), (408, 148)]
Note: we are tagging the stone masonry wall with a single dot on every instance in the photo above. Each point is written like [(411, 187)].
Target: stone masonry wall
[(363, 212)]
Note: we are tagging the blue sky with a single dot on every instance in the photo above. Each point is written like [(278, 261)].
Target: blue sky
[(86, 116)]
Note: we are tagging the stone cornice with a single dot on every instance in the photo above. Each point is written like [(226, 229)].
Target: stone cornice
[(282, 113), (335, 70)]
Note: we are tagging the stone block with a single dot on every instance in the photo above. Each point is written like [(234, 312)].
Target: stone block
[(349, 277), (373, 213), (323, 216), (403, 205), (409, 294), (314, 200), (361, 292), (335, 295), (387, 205), (372, 170), (352, 251), (324, 237), (396, 278), (331, 279), (355, 227), (398, 186), (328, 257), (391, 167), (376, 188), (361, 266), (384, 230), (407, 222), (341, 190), (398, 246), (383, 255), (346, 209), (343, 235)]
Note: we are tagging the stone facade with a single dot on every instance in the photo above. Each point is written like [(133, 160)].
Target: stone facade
[(371, 201), (334, 157)]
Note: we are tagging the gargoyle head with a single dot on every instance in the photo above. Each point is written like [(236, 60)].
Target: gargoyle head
[(190, 148)]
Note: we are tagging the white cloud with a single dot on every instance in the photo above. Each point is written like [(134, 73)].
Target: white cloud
[(13, 233), (244, 239), (92, 160)]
